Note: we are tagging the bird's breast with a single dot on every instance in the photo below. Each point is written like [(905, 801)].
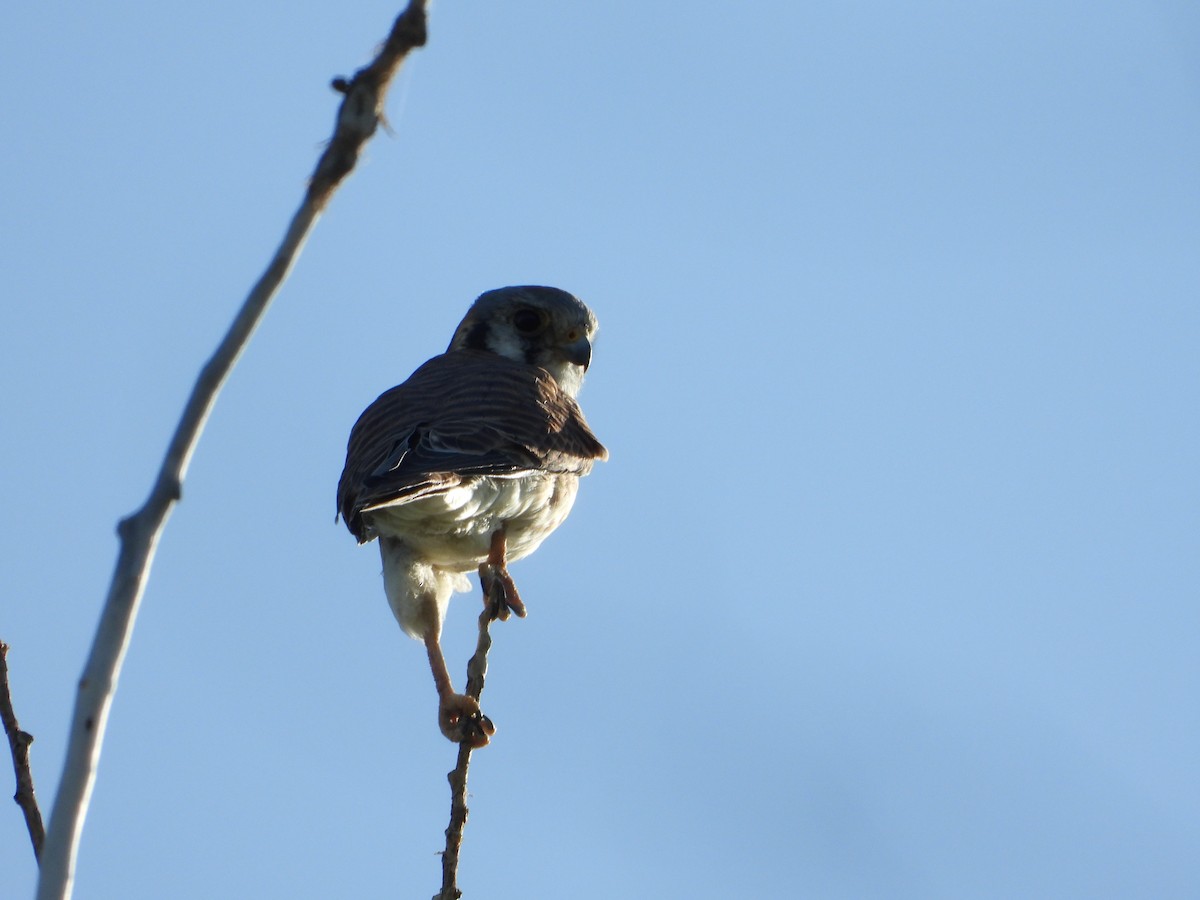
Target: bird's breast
[(453, 529)]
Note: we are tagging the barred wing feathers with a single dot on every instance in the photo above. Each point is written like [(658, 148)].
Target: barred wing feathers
[(462, 414)]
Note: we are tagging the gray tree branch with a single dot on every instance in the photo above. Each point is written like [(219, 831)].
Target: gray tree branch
[(358, 117), (476, 674)]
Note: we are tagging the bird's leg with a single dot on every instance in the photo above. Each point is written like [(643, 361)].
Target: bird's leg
[(459, 715), (499, 593)]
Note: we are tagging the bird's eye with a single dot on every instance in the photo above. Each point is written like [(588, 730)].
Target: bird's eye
[(527, 320)]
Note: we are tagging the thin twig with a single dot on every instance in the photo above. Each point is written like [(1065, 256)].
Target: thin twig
[(476, 673), (358, 117), (18, 743)]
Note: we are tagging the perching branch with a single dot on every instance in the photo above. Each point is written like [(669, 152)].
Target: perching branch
[(18, 743), (476, 673), (358, 116)]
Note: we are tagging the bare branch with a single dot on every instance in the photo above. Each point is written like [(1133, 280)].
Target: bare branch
[(358, 117), (362, 109), (18, 743), (476, 673)]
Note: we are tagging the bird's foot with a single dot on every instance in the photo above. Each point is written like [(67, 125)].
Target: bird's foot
[(463, 722), (499, 592)]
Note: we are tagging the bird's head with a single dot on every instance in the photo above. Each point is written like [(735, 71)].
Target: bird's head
[(542, 326)]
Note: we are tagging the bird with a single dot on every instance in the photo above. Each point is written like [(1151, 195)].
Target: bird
[(470, 464)]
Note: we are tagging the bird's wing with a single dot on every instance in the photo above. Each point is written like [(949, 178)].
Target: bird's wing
[(462, 414)]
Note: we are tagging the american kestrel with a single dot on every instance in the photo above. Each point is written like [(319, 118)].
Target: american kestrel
[(470, 464)]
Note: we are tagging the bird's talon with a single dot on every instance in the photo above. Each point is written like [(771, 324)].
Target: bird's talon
[(500, 592), (496, 602), (463, 722)]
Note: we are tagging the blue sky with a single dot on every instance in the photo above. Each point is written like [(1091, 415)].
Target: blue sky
[(890, 586)]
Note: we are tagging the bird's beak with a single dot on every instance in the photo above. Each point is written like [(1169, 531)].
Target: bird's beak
[(578, 352)]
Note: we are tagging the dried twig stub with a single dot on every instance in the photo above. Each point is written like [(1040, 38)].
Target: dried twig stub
[(18, 743)]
